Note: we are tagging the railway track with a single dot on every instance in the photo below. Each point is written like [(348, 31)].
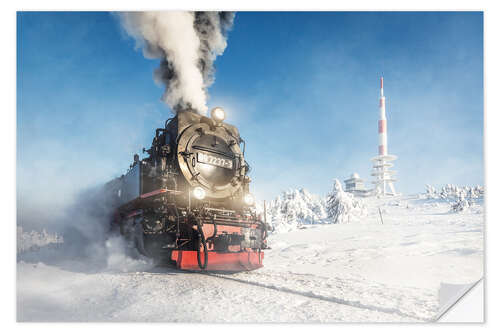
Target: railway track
[(317, 296)]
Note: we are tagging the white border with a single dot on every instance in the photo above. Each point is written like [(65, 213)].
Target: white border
[(8, 126)]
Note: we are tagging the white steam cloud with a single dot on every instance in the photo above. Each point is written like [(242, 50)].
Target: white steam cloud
[(187, 44)]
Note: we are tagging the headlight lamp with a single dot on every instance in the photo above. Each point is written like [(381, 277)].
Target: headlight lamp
[(199, 193), (218, 114), (249, 199)]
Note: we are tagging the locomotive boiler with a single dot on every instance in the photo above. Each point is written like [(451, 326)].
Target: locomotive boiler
[(188, 202)]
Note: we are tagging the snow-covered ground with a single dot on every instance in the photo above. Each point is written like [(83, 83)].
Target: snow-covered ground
[(365, 270)]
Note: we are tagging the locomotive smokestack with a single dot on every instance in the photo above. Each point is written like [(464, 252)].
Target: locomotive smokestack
[(187, 44)]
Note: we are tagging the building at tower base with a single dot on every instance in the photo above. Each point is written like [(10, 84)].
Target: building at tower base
[(356, 186)]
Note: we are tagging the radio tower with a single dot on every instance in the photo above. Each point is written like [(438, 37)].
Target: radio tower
[(381, 163)]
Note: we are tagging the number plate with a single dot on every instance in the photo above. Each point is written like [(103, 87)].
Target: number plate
[(214, 160)]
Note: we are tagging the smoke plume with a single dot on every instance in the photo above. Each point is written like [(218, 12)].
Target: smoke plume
[(187, 44)]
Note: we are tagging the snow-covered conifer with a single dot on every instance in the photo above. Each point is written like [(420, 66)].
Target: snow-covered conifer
[(342, 206), (461, 204), (431, 192)]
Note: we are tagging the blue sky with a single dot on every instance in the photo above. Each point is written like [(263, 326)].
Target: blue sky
[(302, 88)]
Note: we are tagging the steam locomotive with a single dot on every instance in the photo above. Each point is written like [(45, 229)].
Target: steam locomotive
[(188, 203)]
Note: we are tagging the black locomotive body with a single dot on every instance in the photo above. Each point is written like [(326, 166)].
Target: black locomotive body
[(188, 202)]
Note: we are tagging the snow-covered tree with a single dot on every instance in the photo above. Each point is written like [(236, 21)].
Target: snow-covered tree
[(342, 206), (431, 192), (461, 204), (454, 192), (477, 192), (293, 208), (33, 240), (460, 198)]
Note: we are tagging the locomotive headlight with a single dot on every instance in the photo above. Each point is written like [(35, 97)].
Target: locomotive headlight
[(218, 114), (199, 193), (249, 199)]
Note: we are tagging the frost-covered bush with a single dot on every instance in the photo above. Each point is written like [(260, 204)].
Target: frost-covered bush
[(460, 198), (342, 206), (33, 240), (476, 192), (449, 191), (461, 204), (294, 208), (454, 192), (431, 192)]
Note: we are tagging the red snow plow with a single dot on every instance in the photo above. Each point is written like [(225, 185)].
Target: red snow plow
[(228, 262)]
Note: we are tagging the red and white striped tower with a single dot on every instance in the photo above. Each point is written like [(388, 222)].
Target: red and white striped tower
[(381, 163), (382, 123)]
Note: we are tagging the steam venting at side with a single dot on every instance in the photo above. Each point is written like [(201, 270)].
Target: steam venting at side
[(187, 44)]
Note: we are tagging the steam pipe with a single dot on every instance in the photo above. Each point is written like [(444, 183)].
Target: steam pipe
[(167, 121), (204, 243), (244, 145)]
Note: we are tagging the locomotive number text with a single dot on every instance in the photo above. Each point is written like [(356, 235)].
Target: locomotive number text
[(213, 160)]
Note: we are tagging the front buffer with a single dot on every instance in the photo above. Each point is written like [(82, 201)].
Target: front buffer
[(216, 261)]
